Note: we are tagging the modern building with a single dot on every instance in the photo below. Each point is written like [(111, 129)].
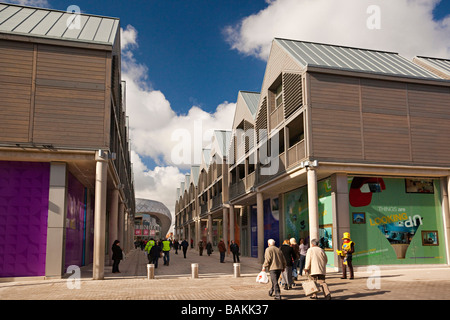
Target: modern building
[(153, 220), (66, 181), (342, 140)]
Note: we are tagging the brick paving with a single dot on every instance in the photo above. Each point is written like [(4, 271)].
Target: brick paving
[(216, 282)]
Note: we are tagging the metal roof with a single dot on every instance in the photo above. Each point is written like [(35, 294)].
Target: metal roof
[(53, 24), (442, 65), (158, 210), (251, 99), (353, 59)]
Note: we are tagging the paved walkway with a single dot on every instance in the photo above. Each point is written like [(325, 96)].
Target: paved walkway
[(216, 282)]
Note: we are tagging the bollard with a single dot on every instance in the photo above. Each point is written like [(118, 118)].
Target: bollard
[(194, 267), (150, 271), (237, 270)]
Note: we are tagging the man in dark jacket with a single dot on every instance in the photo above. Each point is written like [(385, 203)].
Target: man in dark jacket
[(222, 250), (185, 246), (155, 254), (235, 250)]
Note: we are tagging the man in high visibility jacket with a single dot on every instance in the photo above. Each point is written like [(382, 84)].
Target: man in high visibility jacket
[(148, 247), (166, 250)]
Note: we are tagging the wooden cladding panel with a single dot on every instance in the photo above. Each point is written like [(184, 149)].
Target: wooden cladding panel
[(16, 73), (69, 117), (399, 123), (261, 121)]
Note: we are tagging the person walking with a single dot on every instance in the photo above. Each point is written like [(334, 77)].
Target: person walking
[(155, 254), (222, 250), (296, 263), (303, 249), (234, 247), (184, 245), (316, 266), (148, 247), (289, 256), (209, 248), (116, 256), (346, 256), (200, 247), (275, 263), (166, 251), (175, 246)]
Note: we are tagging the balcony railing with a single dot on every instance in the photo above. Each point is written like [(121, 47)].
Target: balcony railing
[(296, 153)]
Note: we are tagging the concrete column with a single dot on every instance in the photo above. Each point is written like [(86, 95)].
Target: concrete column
[(341, 211), (57, 209), (445, 186), (260, 225), (232, 224), (225, 227), (313, 205), (210, 228), (120, 231), (101, 172), (113, 221)]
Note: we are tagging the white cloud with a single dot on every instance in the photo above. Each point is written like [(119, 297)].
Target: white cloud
[(31, 3), (154, 125), (406, 26)]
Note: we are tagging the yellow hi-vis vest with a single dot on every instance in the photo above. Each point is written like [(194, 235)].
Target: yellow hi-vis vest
[(149, 245), (166, 245)]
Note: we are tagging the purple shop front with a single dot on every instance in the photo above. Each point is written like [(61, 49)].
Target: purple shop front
[(24, 191)]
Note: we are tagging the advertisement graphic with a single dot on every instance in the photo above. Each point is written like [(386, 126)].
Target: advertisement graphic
[(394, 220)]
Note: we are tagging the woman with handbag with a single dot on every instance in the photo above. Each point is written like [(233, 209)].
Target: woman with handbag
[(316, 263)]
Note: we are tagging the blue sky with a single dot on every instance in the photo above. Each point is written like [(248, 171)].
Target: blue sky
[(187, 60), (183, 46)]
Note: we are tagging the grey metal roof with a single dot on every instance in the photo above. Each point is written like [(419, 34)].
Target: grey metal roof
[(223, 139), (251, 100), (353, 59), (442, 65), (53, 24)]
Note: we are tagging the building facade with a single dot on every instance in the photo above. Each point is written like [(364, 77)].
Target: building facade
[(66, 183), (343, 140), (153, 220)]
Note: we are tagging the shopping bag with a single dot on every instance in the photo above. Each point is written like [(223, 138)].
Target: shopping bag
[(294, 272), (262, 277), (310, 286)]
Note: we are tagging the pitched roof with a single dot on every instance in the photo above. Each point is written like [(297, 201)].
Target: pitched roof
[(353, 59), (435, 64), (54, 24), (251, 100)]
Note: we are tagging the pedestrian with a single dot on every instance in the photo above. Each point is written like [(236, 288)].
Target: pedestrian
[(209, 248), (175, 246), (185, 246), (166, 251), (275, 262), (155, 254), (303, 249), (148, 247), (316, 266), (296, 263), (116, 256), (222, 250), (289, 256), (200, 247), (346, 256), (192, 243), (234, 247)]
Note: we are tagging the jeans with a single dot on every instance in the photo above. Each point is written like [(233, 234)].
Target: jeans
[(286, 276), (155, 261), (302, 264), (274, 276), (166, 257), (222, 256)]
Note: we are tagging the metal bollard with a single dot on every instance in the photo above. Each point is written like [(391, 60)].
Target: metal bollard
[(237, 270), (194, 267), (150, 271)]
